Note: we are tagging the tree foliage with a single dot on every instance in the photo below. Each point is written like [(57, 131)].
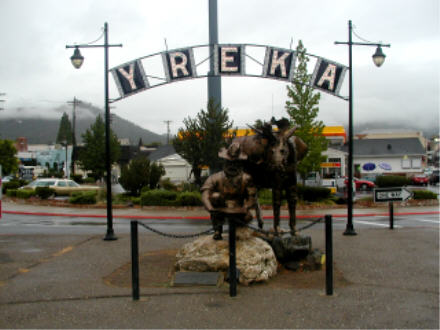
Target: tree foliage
[(140, 173), (202, 137), (65, 130), (214, 124), (92, 157), (303, 110), (8, 161)]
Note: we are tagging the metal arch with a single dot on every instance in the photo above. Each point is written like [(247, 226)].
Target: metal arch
[(202, 61)]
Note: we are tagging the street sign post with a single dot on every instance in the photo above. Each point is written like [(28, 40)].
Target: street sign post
[(394, 194), (390, 195)]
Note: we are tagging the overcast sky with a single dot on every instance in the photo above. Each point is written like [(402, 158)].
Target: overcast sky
[(36, 73)]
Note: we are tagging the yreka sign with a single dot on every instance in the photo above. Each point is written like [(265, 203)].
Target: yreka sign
[(229, 60)]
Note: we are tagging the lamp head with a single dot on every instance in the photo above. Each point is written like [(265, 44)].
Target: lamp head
[(77, 59), (379, 56)]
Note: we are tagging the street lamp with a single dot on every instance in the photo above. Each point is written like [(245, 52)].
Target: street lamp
[(77, 60), (378, 59)]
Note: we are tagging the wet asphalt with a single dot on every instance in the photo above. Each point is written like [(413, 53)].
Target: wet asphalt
[(385, 279)]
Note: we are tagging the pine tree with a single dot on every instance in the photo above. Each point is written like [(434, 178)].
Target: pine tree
[(65, 130), (214, 124), (303, 110), (92, 157), (188, 145), (202, 137), (8, 161)]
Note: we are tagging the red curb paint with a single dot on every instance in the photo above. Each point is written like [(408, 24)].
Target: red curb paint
[(161, 217)]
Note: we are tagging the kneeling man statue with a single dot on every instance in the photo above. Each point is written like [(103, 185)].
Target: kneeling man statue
[(229, 192)]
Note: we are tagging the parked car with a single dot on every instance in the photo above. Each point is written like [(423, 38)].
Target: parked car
[(61, 186), (420, 180), (434, 177), (362, 184), (7, 178)]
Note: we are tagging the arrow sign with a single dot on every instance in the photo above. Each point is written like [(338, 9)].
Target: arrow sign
[(392, 194)]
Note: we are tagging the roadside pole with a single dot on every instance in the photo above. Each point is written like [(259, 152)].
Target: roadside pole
[(1, 189)]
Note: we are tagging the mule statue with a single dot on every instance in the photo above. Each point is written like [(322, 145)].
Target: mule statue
[(271, 158)]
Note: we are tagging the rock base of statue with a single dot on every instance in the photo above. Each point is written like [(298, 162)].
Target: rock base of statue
[(256, 260), (296, 253)]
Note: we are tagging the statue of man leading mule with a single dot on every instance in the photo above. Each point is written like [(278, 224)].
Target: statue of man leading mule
[(267, 159)]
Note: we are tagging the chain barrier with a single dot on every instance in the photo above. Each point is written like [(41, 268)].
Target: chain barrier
[(206, 232), (211, 231), (267, 233)]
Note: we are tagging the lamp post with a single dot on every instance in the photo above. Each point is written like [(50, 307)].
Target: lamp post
[(378, 59), (77, 60)]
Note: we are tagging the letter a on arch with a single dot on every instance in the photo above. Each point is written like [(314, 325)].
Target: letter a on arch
[(328, 76)]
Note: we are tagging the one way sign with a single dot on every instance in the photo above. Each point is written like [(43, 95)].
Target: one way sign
[(397, 194)]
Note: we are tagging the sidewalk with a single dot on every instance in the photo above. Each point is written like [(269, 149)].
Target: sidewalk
[(383, 279)]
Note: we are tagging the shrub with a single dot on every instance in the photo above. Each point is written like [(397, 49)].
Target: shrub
[(189, 198), (313, 194), (83, 197), (167, 184), (25, 193), (77, 178), (159, 197), (14, 184), (187, 186), (392, 181), (11, 192), (90, 180), (44, 192), (265, 196), (424, 194)]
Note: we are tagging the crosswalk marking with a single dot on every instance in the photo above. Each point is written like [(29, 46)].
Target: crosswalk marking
[(432, 221), (375, 224)]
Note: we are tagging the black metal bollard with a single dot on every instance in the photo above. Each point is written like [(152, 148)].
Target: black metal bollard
[(391, 211), (232, 258), (134, 260), (328, 255)]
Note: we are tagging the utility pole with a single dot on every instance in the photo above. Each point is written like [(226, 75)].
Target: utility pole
[(168, 122)]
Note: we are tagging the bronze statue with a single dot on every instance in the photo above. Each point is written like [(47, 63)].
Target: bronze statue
[(271, 158), (230, 191)]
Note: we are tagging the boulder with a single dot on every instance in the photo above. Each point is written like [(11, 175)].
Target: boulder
[(255, 258)]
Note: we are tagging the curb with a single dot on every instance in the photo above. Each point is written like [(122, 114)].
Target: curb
[(166, 217)]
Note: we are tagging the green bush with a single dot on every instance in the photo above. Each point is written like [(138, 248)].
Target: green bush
[(384, 181), (83, 197), (313, 194), (14, 184), (189, 198), (158, 197), (44, 192), (90, 180), (167, 184), (25, 193), (78, 178), (265, 197), (11, 192), (424, 194)]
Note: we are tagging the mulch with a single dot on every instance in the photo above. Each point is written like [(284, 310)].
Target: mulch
[(156, 270)]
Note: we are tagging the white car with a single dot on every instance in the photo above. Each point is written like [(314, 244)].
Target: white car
[(61, 186)]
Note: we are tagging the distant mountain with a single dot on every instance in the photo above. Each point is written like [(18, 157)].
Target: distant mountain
[(428, 131), (45, 130)]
